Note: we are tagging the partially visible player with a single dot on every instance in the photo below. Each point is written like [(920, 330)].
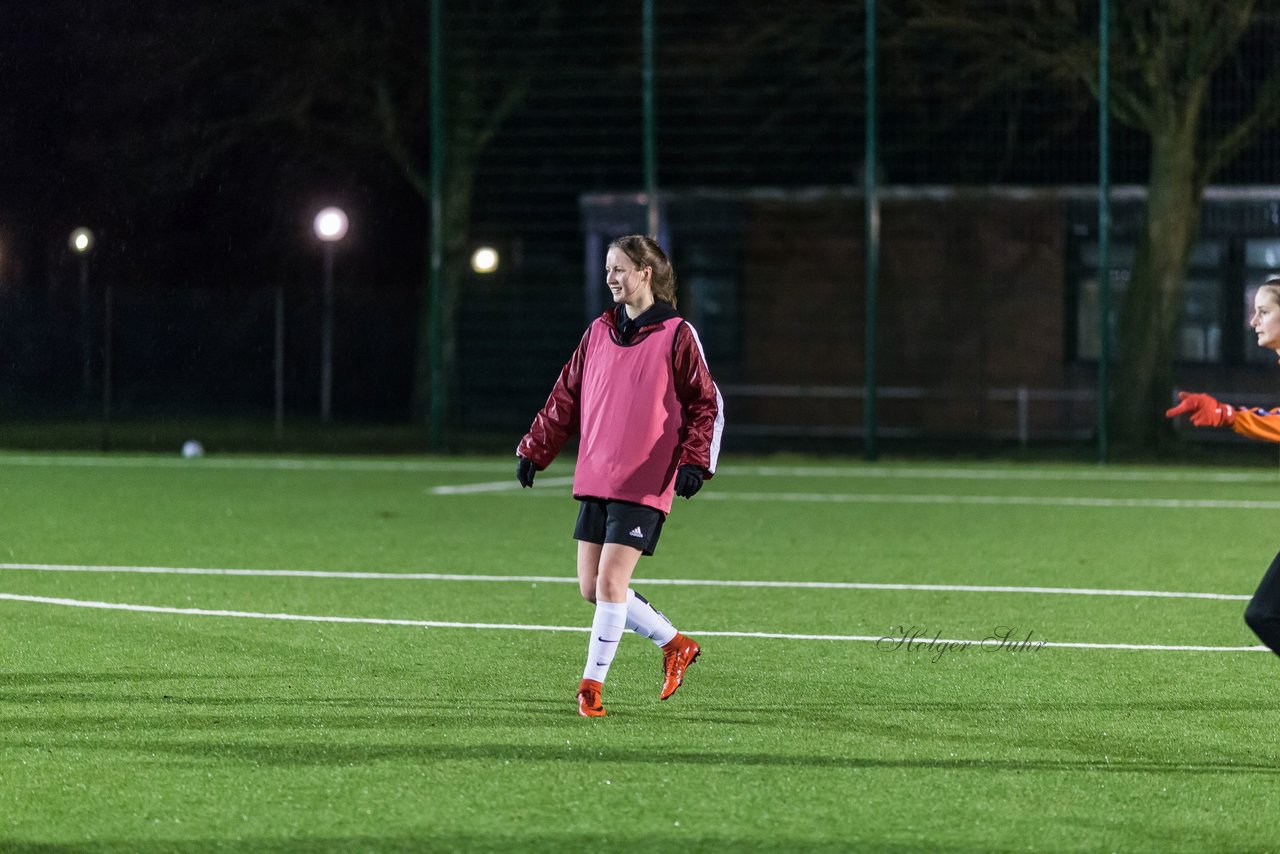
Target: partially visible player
[(650, 417), (1263, 611)]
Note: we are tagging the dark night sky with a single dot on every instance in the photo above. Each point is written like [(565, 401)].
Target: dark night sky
[(36, 115), (108, 112), (92, 126)]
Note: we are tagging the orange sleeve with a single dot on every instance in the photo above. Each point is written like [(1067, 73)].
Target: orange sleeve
[(1258, 424)]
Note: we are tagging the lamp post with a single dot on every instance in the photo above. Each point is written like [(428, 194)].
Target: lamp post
[(278, 361), (81, 242), (485, 260), (330, 226)]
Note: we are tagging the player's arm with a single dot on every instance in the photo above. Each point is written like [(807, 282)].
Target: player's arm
[(558, 418), (1205, 411), (701, 400), (1257, 424)]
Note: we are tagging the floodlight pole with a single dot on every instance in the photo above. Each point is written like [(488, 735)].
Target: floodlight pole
[(435, 330), (1104, 233), (86, 377), (278, 366), (326, 337), (871, 232), (108, 322), (330, 226), (650, 122), (81, 243)]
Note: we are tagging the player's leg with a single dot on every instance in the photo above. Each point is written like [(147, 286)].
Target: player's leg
[(678, 651), (1263, 611), (617, 565), (642, 618), (613, 574), (588, 569), (589, 532), (640, 528), (647, 621), (612, 536), (677, 655)]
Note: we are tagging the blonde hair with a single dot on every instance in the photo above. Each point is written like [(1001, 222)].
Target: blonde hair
[(645, 252)]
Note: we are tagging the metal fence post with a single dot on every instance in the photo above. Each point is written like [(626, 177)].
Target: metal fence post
[(1104, 235), (650, 122), (437, 134), (871, 226)]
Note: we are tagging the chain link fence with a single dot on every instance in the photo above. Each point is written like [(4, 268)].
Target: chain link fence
[(987, 177)]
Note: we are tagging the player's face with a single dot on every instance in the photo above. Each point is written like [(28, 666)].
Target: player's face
[(628, 284), (1266, 319)]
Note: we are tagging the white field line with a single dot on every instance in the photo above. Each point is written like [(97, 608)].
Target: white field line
[(1081, 474), (870, 472), (672, 582), (979, 500), (301, 618), (442, 624), (496, 486), (999, 500), (251, 463)]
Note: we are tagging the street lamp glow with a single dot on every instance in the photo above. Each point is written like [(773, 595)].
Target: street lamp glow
[(331, 224), (485, 259), (81, 240)]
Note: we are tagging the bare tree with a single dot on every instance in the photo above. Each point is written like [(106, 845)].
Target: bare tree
[(1166, 56), (295, 83)]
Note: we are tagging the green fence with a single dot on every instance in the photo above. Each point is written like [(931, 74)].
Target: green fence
[(761, 145)]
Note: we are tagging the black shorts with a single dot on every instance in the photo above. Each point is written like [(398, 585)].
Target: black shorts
[(619, 522)]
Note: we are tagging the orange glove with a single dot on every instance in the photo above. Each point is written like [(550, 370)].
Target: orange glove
[(1203, 410)]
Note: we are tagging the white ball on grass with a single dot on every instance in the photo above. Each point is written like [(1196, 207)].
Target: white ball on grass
[(191, 448)]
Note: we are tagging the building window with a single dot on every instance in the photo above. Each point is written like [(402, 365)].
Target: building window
[(1200, 328)]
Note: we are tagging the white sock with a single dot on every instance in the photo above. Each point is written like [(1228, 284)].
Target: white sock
[(606, 631), (648, 621)]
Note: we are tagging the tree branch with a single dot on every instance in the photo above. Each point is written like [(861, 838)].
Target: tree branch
[(1264, 114)]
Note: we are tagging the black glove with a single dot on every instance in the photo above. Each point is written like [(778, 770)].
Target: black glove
[(688, 480), (525, 470)]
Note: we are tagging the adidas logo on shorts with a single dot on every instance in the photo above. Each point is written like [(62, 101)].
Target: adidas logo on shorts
[(637, 533)]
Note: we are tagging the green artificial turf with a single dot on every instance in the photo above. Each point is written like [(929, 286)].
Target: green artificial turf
[(220, 713)]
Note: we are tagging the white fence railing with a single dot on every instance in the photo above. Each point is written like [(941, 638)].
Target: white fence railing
[(1022, 428)]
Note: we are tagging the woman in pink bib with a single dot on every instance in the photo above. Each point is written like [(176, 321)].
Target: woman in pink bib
[(649, 416)]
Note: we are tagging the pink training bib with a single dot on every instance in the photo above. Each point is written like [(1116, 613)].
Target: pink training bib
[(631, 420)]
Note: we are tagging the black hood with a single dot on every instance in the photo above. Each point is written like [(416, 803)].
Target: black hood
[(659, 312)]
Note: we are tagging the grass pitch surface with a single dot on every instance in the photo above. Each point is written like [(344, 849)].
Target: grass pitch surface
[(319, 654)]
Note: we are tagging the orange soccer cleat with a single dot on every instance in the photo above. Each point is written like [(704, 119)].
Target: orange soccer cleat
[(589, 699), (677, 655)]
